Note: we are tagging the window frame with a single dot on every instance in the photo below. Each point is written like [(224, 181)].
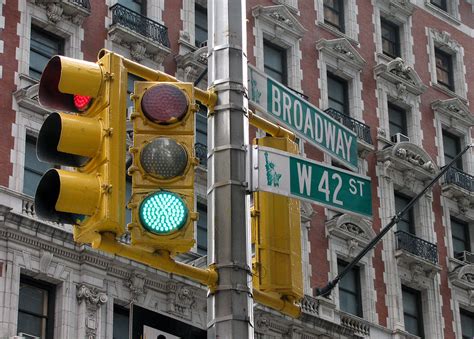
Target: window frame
[(340, 14), (199, 9), (345, 89), (391, 108), (199, 247), (51, 37), (384, 23), (465, 312), (458, 144), (448, 58), (50, 289), (341, 264), (419, 309), (409, 216), (284, 60), (443, 6), (467, 235)]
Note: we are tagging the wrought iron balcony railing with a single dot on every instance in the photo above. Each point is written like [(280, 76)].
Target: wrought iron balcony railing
[(82, 3), (457, 177), (417, 246), (359, 128), (302, 95), (201, 153), (140, 24)]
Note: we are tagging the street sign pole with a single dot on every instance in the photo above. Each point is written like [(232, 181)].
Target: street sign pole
[(230, 305)]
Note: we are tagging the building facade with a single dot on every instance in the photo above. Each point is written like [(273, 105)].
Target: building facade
[(399, 73)]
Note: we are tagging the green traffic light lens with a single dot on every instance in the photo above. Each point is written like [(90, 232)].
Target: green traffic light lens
[(163, 212)]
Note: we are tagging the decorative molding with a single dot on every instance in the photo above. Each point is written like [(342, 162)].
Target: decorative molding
[(463, 276), (181, 300), (192, 64), (136, 285), (343, 51), (282, 18), (455, 109), (355, 230), (27, 97), (400, 7), (94, 300), (65, 10), (405, 78)]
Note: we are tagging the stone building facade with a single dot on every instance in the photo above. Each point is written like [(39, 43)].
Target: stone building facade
[(399, 73)]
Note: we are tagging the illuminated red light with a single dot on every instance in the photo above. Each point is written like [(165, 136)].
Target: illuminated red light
[(164, 104), (82, 102)]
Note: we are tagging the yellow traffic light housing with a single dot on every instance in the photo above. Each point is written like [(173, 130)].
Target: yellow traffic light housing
[(162, 201), (276, 235), (90, 137)]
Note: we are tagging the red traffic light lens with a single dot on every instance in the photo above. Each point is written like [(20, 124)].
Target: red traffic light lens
[(82, 102), (164, 104)]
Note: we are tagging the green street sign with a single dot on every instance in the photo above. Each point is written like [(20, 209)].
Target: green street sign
[(290, 175), (285, 107)]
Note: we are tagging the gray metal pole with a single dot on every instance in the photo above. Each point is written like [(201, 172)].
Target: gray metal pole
[(230, 308)]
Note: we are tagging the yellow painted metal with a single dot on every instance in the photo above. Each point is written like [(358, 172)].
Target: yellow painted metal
[(143, 184), (79, 76), (274, 301), (276, 234), (269, 127), (161, 260), (80, 135), (79, 193)]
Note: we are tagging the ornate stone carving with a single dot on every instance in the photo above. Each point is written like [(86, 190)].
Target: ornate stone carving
[(181, 300), (281, 18), (54, 12), (404, 77), (45, 260), (398, 68), (341, 49), (443, 38), (93, 299), (136, 284), (455, 109), (355, 230), (138, 51), (415, 159)]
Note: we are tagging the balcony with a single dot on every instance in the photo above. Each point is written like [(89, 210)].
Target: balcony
[(421, 248), (362, 131), (459, 186), (144, 37)]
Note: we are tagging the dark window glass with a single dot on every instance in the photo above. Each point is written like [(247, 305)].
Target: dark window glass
[(202, 229), (444, 69), (43, 46), (36, 308), (407, 222), (138, 6), (440, 4), (349, 290), (34, 169), (452, 147), (275, 62), (200, 25), (461, 237), (131, 78), (397, 120), (334, 13), (201, 125), (338, 94), (390, 39), (121, 322), (412, 311), (467, 324)]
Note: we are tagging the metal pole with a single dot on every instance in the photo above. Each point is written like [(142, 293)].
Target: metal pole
[(326, 290), (230, 306)]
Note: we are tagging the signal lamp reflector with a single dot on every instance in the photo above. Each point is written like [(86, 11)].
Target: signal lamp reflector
[(164, 104), (164, 158), (163, 212), (82, 102)]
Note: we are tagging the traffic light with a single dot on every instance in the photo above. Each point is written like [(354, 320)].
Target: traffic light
[(276, 237), (162, 201), (90, 138)]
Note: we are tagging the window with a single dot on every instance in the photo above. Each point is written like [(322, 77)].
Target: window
[(412, 312), (349, 290), (452, 147), (461, 237), (202, 229), (200, 28), (34, 169), (397, 120), (138, 6), (390, 38), (131, 78), (441, 4), (201, 125), (36, 308), (274, 59), (467, 324), (121, 322), (406, 223), (338, 94), (43, 46), (444, 69), (334, 13)]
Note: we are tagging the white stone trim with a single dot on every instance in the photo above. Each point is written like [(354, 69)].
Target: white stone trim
[(444, 42), (351, 26), (452, 14)]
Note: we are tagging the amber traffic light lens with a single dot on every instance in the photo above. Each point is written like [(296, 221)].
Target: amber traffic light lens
[(164, 104), (164, 158)]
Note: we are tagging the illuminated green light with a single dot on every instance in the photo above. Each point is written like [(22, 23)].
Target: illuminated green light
[(163, 212)]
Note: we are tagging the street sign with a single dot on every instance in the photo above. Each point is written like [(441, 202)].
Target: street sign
[(279, 103), (290, 175)]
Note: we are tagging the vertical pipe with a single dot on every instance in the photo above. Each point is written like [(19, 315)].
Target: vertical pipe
[(230, 306)]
